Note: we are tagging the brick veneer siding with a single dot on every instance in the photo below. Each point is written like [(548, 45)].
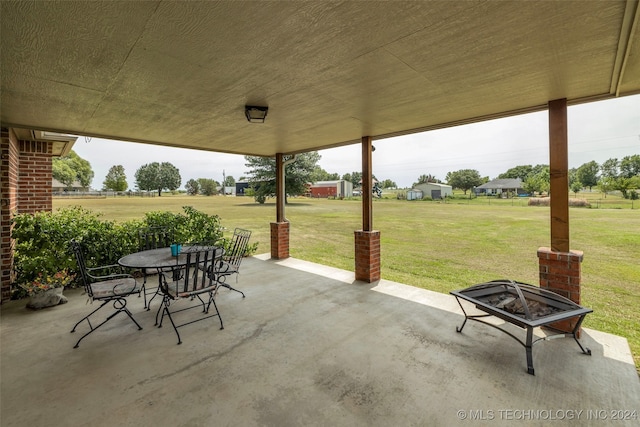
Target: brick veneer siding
[(279, 240), (25, 181), (34, 178), (367, 255), (560, 273)]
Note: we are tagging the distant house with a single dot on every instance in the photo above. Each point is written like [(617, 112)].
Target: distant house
[(501, 187), (434, 190), (58, 187), (326, 189)]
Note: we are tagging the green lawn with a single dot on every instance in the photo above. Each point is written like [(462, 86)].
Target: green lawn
[(441, 246)]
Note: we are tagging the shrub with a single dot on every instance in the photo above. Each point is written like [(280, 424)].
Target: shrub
[(545, 201), (42, 239), (580, 203)]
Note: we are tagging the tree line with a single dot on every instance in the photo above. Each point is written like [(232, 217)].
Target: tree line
[(72, 169), (621, 175), (612, 175)]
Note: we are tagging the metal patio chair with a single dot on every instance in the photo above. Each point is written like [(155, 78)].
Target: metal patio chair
[(230, 263), (106, 284), (152, 238), (191, 279)]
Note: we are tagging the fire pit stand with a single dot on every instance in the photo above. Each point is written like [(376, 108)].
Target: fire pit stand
[(525, 306)]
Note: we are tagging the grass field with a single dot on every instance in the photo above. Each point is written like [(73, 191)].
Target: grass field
[(440, 246)]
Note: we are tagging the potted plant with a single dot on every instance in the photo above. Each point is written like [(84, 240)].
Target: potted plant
[(46, 289)]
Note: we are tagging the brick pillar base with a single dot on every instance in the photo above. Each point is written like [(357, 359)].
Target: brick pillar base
[(367, 255), (279, 240), (560, 273)]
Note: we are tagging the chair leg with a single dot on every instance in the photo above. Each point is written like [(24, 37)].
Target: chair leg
[(175, 328), (120, 305), (160, 309), (215, 306), (164, 307), (232, 288), (155, 294), (222, 281)]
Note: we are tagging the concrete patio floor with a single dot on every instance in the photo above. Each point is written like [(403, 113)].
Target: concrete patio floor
[(308, 346)]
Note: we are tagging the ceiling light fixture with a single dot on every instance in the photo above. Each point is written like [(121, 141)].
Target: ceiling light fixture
[(255, 114)]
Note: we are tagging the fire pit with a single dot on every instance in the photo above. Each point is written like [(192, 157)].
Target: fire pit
[(525, 306)]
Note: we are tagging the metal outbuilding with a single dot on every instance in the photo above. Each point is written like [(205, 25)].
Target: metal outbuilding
[(434, 190)]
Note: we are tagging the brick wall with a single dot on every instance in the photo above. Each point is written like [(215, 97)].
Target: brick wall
[(34, 179), (25, 184), (279, 240), (367, 255), (560, 273)]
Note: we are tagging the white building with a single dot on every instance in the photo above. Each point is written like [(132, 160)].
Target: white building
[(434, 190)]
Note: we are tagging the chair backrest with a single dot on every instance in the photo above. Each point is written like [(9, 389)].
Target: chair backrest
[(154, 238), (78, 251), (238, 248), (200, 269)]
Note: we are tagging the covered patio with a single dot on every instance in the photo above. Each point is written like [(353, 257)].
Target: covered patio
[(304, 349), (190, 75), (310, 345)]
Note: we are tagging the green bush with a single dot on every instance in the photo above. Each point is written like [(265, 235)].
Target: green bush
[(42, 239)]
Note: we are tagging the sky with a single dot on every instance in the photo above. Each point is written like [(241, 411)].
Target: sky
[(597, 131)]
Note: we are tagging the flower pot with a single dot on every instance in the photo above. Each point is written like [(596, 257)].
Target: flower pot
[(48, 298)]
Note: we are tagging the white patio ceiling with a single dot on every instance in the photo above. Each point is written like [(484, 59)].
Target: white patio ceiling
[(180, 73)]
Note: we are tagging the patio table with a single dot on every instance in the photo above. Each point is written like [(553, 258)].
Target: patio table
[(160, 259)]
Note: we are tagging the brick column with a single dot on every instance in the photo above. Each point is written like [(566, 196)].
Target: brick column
[(280, 240), (34, 177), (560, 273), (367, 255), (8, 205), (25, 184)]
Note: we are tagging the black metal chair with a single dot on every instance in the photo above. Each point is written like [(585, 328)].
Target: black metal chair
[(152, 238), (190, 280), (102, 284), (230, 263)]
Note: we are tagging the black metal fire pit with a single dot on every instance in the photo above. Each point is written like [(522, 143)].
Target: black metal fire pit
[(525, 306)]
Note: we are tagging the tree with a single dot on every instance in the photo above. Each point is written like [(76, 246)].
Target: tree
[(353, 177), (229, 181), (575, 186), (422, 179), (573, 177), (609, 168), (630, 166), (208, 187), (63, 173), (158, 176), (623, 185), (521, 172), (193, 187), (587, 174), (298, 173), (387, 183), (464, 179), (538, 182), (606, 184), (116, 179), (80, 167), (320, 174)]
